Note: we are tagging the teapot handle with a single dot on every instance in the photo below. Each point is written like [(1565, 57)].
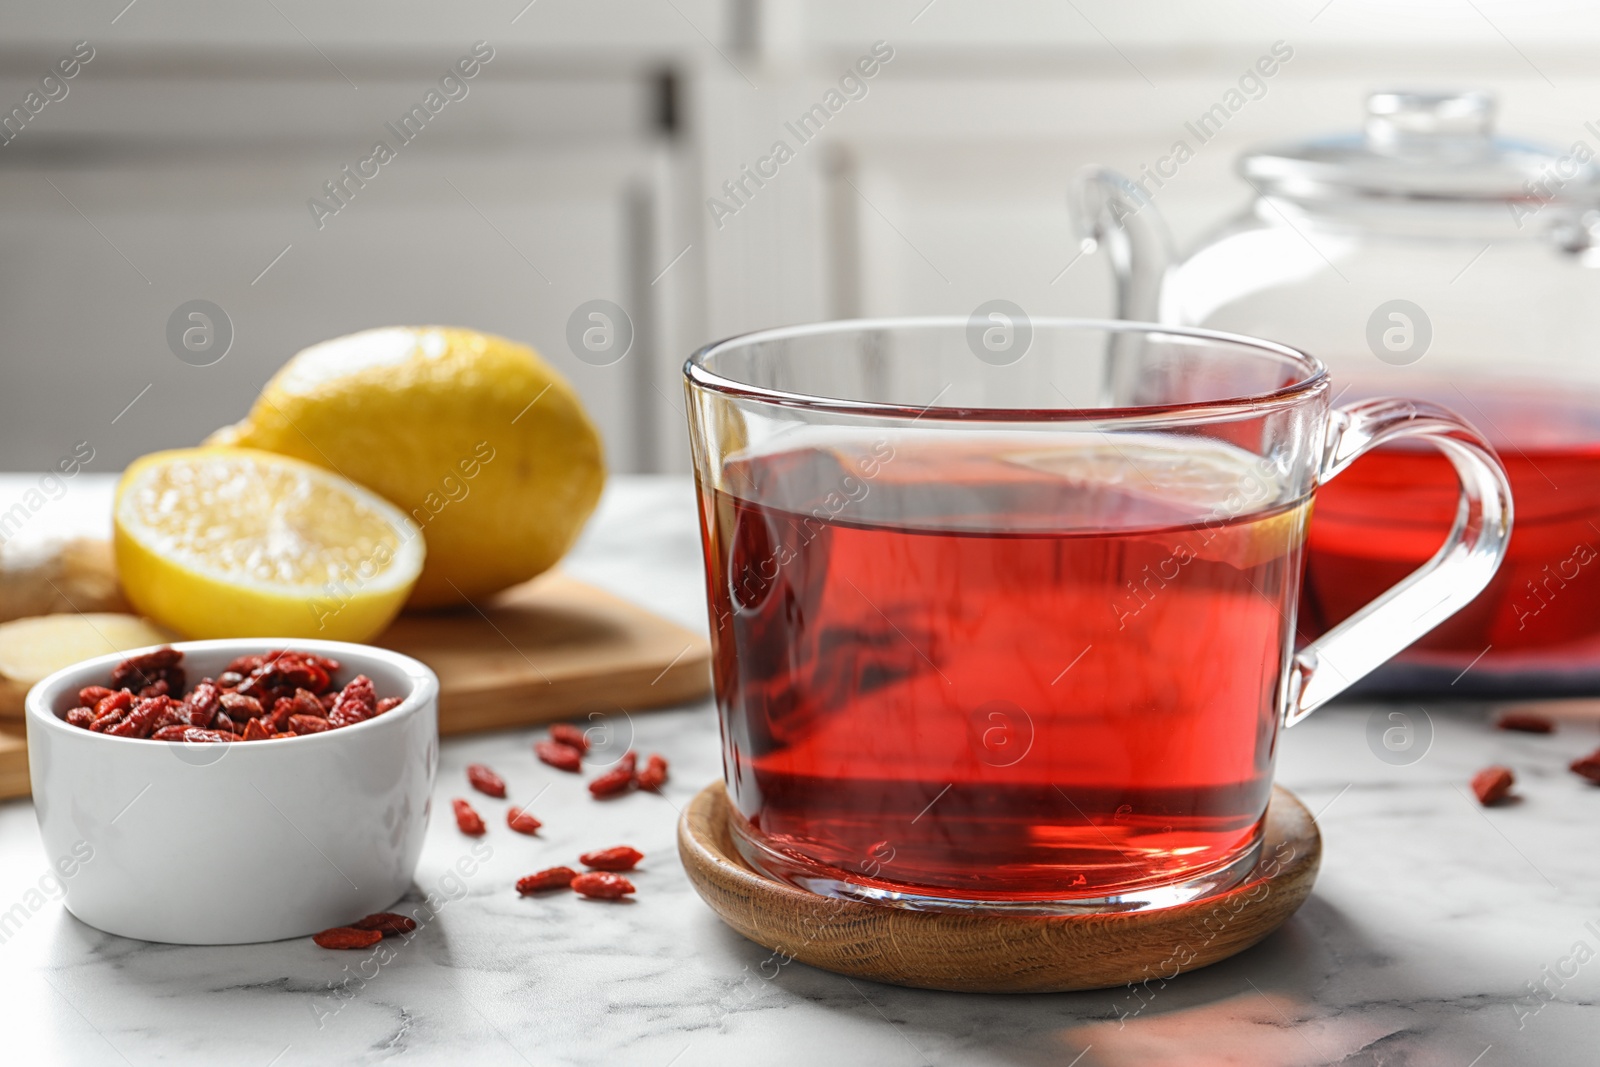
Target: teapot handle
[(1108, 209)]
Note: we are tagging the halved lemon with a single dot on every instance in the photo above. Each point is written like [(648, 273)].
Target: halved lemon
[(234, 542)]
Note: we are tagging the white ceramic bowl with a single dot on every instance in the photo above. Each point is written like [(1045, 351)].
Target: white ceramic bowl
[(220, 844)]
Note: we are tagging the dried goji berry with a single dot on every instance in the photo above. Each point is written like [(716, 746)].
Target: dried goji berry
[(272, 695), (617, 780), (142, 672), (196, 735), (348, 937), (1492, 784), (654, 775), (356, 703), (520, 821), (387, 923), (111, 710), (146, 717), (484, 780), (562, 757), (304, 702), (1525, 722), (620, 858), (467, 820), (201, 703), (282, 708), (1588, 766), (388, 704), (602, 885), (91, 695), (569, 734), (280, 673), (243, 666), (550, 878), (240, 707)]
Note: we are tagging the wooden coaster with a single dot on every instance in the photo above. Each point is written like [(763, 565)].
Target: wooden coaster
[(999, 952)]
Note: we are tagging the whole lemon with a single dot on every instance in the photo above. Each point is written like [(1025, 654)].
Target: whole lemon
[(475, 437)]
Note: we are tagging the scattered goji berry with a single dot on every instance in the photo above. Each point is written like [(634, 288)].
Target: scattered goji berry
[(348, 937), (1525, 722), (1492, 784), (617, 780), (602, 885), (550, 878), (567, 734), (485, 780), (520, 821), (467, 820), (654, 775), (620, 858), (387, 923), (562, 757), (1588, 766)]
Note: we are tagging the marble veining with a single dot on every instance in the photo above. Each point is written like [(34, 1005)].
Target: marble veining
[(1439, 934)]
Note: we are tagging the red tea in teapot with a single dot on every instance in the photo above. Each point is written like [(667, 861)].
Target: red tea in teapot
[(1389, 512), (1015, 674)]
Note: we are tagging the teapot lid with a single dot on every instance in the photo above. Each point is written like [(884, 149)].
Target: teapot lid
[(1425, 146)]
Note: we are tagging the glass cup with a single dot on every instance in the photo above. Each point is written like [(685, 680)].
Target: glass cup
[(1004, 610)]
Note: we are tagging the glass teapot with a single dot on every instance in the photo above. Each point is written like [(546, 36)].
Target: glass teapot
[(1423, 257)]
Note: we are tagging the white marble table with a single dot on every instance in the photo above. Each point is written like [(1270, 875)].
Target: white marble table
[(1430, 921)]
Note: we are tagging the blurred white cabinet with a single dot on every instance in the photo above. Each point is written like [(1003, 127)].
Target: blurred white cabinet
[(580, 165), (165, 176)]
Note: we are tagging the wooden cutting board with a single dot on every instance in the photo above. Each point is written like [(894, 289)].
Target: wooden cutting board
[(550, 649)]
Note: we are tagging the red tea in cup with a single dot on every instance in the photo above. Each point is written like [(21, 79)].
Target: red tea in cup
[(984, 670)]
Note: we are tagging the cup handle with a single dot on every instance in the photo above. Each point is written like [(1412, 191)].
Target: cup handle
[(1439, 588)]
